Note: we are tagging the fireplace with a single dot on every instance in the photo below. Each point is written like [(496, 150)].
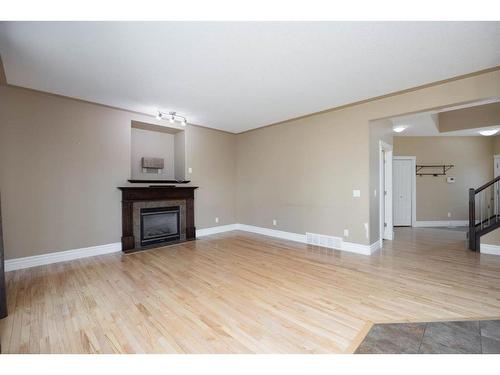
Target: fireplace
[(156, 216), (160, 224)]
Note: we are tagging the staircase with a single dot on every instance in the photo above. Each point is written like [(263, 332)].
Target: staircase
[(484, 211)]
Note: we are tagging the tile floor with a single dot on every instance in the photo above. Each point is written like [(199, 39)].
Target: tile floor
[(466, 337)]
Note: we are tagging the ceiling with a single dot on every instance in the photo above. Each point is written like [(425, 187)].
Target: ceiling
[(426, 124), (418, 125), (237, 76)]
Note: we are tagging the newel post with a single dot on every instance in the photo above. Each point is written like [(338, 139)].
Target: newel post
[(472, 219)]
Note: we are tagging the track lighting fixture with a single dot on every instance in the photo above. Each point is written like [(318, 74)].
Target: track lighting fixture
[(172, 117)]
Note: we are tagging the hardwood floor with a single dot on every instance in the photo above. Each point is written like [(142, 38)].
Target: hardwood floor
[(244, 293)]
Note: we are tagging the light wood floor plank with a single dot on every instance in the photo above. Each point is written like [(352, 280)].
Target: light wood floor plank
[(244, 293)]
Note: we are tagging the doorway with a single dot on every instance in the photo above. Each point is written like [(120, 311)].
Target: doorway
[(404, 191), (385, 189)]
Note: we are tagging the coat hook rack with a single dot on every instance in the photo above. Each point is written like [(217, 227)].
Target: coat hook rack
[(431, 170)]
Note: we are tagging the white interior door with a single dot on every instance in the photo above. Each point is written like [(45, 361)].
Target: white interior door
[(402, 177), (385, 202)]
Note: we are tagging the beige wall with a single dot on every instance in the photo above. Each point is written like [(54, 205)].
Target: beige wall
[(492, 238), (3, 78), (180, 156), (496, 145), (473, 161), (302, 172), (151, 144), (470, 118), (62, 159), (212, 156), (380, 130)]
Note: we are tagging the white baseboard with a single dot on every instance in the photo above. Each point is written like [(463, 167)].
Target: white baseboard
[(344, 246), (273, 233), (61, 256), (360, 248), (442, 223), (331, 242), (215, 230), (490, 249)]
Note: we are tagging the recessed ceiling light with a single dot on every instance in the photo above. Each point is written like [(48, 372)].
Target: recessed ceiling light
[(488, 132), (399, 129)]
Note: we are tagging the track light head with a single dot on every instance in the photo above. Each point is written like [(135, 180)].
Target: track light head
[(172, 117)]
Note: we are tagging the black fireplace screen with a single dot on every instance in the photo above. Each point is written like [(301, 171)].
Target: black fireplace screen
[(160, 224)]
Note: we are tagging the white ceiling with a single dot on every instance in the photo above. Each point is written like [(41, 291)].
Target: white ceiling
[(426, 124), (422, 124), (238, 76)]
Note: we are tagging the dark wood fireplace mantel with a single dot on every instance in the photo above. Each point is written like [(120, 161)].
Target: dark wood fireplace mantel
[(131, 194)]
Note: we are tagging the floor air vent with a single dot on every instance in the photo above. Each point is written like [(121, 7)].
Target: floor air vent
[(324, 241)]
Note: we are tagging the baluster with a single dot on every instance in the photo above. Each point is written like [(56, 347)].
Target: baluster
[(489, 207), (485, 200), (478, 202), (472, 219), (481, 209), (493, 199), (496, 200)]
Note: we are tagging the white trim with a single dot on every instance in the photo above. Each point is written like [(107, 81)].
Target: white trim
[(385, 184), (442, 223), (413, 187), (215, 230), (61, 256), (345, 246), (361, 249), (490, 249), (376, 246), (273, 233), (302, 238)]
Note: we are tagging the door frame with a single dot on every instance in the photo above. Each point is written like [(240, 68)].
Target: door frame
[(385, 184), (495, 157), (413, 160)]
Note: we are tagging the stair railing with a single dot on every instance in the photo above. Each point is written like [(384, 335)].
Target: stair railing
[(484, 211)]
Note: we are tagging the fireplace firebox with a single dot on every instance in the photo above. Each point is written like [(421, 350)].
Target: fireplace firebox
[(160, 224)]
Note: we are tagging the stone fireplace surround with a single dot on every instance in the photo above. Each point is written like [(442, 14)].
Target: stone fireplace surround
[(135, 198), (136, 217)]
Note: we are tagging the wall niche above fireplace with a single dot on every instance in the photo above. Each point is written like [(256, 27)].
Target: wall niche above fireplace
[(156, 216), (152, 141)]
